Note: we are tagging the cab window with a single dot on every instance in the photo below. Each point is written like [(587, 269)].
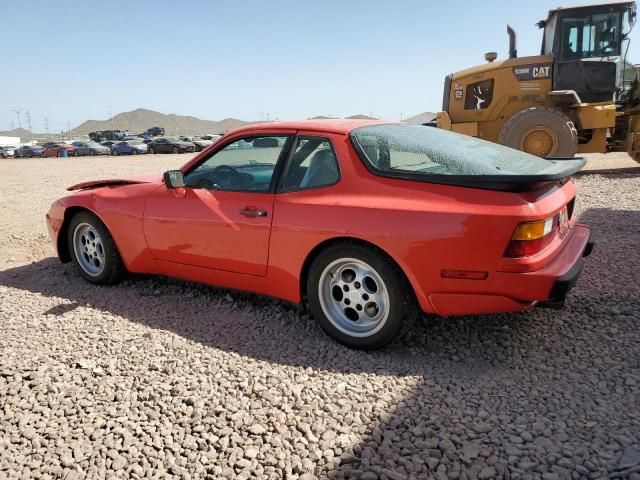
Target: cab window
[(590, 36), (244, 165)]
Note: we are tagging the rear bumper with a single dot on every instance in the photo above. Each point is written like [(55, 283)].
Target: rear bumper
[(513, 291), (564, 284)]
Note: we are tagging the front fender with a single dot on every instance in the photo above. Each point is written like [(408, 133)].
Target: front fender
[(121, 210)]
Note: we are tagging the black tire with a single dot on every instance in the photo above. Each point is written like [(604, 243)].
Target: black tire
[(175, 150), (92, 153), (403, 307), (151, 151), (114, 268), (115, 153), (541, 131)]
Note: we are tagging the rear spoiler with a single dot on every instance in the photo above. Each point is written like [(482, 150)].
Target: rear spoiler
[(504, 183)]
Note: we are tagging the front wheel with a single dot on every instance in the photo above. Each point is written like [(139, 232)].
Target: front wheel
[(93, 250), (150, 150), (175, 150), (360, 297), (541, 131)]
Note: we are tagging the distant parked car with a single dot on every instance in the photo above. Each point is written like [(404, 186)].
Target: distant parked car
[(170, 145), (199, 142), (55, 149), (213, 137), (154, 132), (109, 144), (90, 148), (129, 148), (28, 151), (7, 152)]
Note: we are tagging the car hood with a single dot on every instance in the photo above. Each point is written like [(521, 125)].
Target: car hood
[(112, 182)]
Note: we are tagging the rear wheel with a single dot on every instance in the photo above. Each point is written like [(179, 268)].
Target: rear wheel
[(175, 150), (360, 297), (134, 151), (541, 131), (150, 150), (93, 250), (92, 153)]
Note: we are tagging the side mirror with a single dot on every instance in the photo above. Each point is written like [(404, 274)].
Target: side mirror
[(174, 179)]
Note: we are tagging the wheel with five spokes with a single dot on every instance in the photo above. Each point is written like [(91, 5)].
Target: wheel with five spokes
[(359, 296), (93, 250)]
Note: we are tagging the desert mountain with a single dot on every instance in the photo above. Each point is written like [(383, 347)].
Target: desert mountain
[(18, 132), (420, 119), (141, 119)]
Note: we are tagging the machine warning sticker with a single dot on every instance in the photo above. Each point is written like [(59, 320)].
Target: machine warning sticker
[(532, 72)]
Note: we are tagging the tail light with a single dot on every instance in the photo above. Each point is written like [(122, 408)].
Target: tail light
[(532, 237)]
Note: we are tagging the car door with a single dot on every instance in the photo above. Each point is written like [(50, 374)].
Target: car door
[(222, 218)]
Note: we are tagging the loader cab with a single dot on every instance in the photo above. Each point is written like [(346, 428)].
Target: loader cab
[(589, 45)]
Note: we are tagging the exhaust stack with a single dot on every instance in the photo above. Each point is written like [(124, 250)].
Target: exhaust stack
[(513, 49)]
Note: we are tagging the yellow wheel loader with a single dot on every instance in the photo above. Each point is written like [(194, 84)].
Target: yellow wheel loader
[(579, 95)]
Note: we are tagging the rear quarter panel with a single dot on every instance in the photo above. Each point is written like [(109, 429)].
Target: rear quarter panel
[(424, 227)]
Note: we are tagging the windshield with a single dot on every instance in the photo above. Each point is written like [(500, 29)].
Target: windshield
[(416, 151)]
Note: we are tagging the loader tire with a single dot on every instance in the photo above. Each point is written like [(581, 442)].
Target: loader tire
[(541, 131)]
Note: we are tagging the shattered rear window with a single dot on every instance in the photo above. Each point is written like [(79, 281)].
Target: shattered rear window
[(415, 151)]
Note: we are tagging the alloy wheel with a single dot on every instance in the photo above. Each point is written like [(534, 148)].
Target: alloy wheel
[(89, 249), (354, 297)]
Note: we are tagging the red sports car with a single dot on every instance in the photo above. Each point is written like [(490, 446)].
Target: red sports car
[(368, 223)]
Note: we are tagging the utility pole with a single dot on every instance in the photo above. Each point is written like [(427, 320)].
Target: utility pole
[(29, 123), (19, 121), (69, 130), (111, 115), (46, 127)]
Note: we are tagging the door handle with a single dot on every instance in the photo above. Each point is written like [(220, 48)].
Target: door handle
[(253, 212)]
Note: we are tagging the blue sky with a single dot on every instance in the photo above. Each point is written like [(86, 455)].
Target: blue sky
[(77, 60)]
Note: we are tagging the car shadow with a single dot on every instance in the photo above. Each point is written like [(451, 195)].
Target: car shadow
[(261, 327)]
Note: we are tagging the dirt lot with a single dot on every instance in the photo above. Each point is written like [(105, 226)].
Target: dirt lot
[(158, 378)]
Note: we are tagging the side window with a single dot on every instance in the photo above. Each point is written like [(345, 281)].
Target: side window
[(312, 165), (244, 165), (478, 95)]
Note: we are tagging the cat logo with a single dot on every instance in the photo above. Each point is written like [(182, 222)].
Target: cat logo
[(541, 72), (532, 72)]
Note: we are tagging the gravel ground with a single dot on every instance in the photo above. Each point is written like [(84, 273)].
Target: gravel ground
[(156, 378)]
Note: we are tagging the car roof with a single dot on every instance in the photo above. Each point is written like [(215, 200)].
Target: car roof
[(337, 125)]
